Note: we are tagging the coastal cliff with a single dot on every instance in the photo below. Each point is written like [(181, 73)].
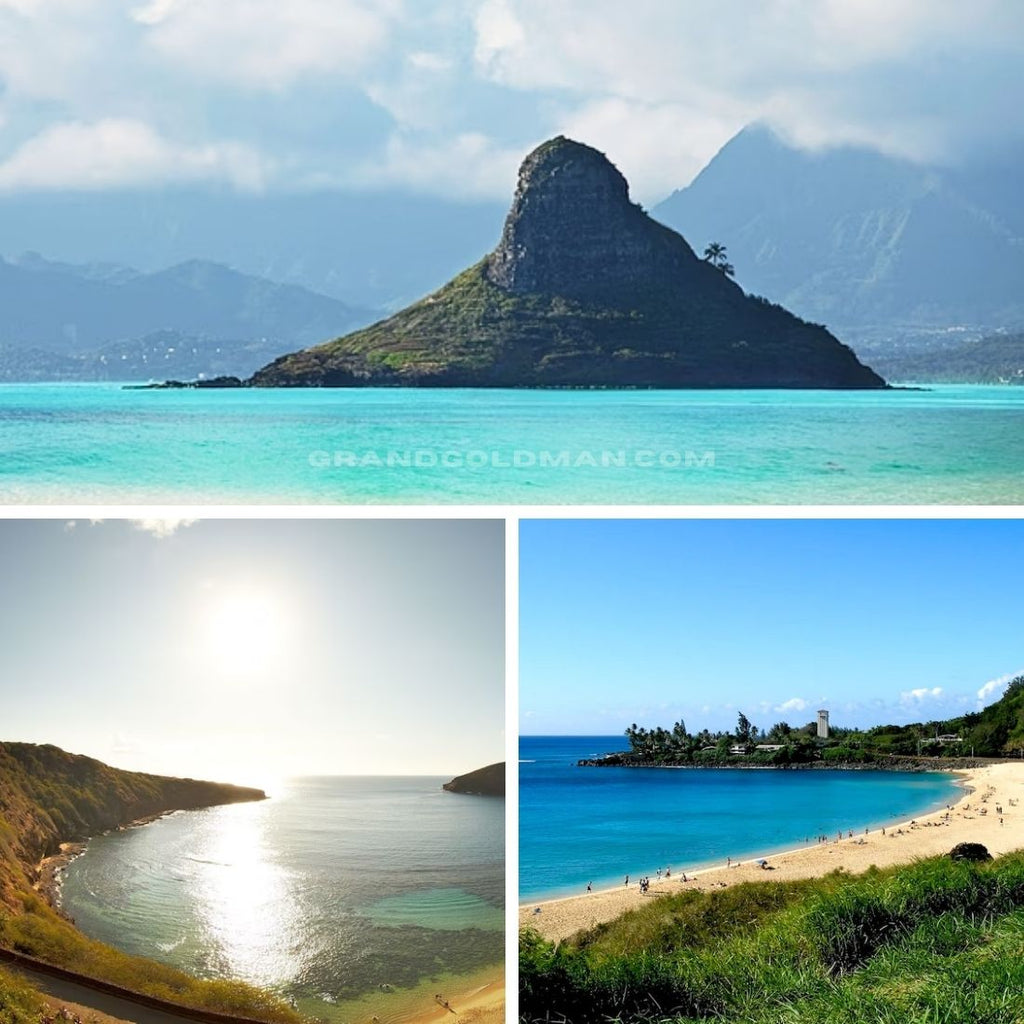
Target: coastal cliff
[(48, 796), (488, 781), (583, 290)]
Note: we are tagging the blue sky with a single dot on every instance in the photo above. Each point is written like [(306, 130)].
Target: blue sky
[(251, 650), (446, 96), (650, 621)]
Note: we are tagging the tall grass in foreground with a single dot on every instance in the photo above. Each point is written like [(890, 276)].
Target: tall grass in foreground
[(937, 942), (19, 1002)]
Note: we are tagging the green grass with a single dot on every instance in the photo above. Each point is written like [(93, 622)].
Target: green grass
[(19, 1002), (937, 942)]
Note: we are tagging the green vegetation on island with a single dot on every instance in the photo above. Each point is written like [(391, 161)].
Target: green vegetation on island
[(995, 731), (48, 797), (937, 942)]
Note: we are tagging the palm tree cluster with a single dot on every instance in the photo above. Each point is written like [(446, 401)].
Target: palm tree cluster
[(715, 254)]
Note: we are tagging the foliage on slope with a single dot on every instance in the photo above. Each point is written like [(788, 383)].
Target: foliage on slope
[(893, 945)]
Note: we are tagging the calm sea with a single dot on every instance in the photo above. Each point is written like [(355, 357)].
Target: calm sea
[(332, 888), (99, 443), (580, 825)]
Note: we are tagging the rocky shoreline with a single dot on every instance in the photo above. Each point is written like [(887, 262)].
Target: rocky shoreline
[(894, 763)]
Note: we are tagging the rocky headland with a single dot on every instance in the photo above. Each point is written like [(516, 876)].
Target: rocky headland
[(488, 781)]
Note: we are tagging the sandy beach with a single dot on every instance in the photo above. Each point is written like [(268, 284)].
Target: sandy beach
[(974, 818), (477, 998)]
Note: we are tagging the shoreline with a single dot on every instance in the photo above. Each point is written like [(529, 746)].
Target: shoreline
[(50, 869), (972, 818)]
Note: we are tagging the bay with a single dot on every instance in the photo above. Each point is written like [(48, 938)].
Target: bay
[(331, 888), (596, 825)]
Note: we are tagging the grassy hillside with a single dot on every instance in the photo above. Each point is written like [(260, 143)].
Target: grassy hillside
[(47, 797), (938, 942), (473, 333)]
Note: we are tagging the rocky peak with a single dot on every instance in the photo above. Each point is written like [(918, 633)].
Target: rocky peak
[(573, 231)]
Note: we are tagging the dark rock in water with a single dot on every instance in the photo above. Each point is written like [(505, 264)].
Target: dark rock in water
[(970, 851), (213, 382), (489, 781), (583, 290)]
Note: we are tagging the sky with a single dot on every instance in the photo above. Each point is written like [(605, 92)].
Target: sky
[(250, 651), (878, 621), (445, 97)]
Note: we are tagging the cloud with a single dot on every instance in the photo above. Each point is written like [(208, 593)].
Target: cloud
[(161, 528), (995, 688), (118, 152), (340, 90), (920, 695), (793, 704), (469, 166), (265, 44)]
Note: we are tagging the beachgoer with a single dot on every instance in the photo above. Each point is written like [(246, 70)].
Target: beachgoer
[(626, 882), (589, 888)]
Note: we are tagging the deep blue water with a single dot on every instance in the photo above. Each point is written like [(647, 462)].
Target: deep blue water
[(331, 888), (97, 443), (580, 825)]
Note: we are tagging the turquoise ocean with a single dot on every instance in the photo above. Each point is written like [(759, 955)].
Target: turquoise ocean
[(596, 825), (99, 443), (327, 890)]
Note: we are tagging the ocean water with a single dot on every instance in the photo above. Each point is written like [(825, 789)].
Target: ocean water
[(330, 889), (98, 443), (580, 825)]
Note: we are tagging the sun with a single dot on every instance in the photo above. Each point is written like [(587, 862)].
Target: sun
[(245, 629)]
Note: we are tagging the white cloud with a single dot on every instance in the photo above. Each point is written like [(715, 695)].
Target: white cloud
[(117, 152), (498, 31), (659, 85), (995, 687), (161, 528), (435, 62), (793, 704), (265, 44), (920, 695), (469, 166)]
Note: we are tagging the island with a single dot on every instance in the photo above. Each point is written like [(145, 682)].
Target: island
[(488, 781), (584, 290), (996, 732)]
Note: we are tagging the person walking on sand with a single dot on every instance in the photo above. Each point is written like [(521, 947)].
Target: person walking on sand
[(589, 887)]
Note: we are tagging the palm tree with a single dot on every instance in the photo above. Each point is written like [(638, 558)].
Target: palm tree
[(715, 255)]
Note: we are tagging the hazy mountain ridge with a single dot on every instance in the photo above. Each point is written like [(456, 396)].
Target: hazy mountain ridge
[(994, 359), (865, 242), (97, 321)]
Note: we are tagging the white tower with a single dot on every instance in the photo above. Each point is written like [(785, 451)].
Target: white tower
[(823, 724)]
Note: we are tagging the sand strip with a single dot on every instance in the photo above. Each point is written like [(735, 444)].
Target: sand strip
[(973, 819)]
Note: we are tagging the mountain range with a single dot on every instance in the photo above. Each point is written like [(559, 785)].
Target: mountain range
[(885, 251), (106, 321)]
